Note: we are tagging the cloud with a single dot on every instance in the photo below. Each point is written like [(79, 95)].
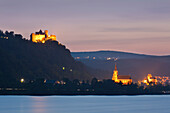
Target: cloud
[(154, 46), (133, 29), (122, 42)]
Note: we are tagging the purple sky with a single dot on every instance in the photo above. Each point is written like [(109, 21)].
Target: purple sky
[(141, 26)]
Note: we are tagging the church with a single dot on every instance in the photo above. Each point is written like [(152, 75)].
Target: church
[(125, 79)]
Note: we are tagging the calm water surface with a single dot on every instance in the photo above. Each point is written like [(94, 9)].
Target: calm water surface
[(85, 104)]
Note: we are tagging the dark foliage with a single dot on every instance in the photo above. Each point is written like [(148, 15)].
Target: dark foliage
[(74, 87), (21, 58)]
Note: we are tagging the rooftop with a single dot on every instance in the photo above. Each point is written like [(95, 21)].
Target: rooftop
[(124, 77)]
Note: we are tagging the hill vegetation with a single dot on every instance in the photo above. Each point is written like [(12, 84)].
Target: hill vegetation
[(21, 58)]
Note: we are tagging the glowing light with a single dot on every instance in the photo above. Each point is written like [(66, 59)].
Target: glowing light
[(109, 58), (63, 68), (57, 82), (22, 80), (145, 81), (77, 57), (45, 81), (149, 79), (87, 57), (43, 41), (4, 37)]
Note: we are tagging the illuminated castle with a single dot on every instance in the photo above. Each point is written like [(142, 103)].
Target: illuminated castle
[(150, 79), (41, 37), (125, 79)]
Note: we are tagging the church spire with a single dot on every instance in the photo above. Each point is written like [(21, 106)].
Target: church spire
[(115, 66), (115, 73)]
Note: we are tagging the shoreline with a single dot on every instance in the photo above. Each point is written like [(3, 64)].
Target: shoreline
[(84, 94)]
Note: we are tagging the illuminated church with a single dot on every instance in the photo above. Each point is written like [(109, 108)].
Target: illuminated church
[(125, 79), (41, 37)]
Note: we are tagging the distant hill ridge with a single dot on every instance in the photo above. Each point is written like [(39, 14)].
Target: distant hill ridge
[(108, 55)]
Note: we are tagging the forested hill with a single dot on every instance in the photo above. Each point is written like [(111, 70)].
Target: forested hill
[(20, 58)]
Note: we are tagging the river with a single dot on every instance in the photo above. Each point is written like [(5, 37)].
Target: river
[(85, 104)]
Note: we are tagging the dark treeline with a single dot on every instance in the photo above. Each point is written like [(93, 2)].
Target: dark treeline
[(75, 87), (21, 58)]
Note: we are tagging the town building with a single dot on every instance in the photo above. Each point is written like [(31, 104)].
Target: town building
[(149, 79)]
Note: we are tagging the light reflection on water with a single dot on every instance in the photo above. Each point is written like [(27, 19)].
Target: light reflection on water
[(85, 104), (38, 105)]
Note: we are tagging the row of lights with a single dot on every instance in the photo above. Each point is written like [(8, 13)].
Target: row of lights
[(22, 80), (65, 69), (4, 37), (108, 58)]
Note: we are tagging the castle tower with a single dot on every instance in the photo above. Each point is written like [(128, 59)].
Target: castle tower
[(46, 33), (115, 73), (33, 37)]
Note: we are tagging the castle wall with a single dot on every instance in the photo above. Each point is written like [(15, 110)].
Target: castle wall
[(42, 37), (53, 37), (38, 38)]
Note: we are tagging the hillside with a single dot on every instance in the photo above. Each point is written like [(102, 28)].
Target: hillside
[(136, 65), (20, 58)]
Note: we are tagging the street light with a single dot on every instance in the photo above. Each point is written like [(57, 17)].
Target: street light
[(22, 80)]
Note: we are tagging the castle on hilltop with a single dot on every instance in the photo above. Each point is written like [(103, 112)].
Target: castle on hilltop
[(124, 79), (41, 37)]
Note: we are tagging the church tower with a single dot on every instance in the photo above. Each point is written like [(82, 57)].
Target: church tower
[(115, 73), (124, 79)]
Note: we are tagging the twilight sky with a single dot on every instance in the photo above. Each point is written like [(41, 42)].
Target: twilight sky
[(141, 26)]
